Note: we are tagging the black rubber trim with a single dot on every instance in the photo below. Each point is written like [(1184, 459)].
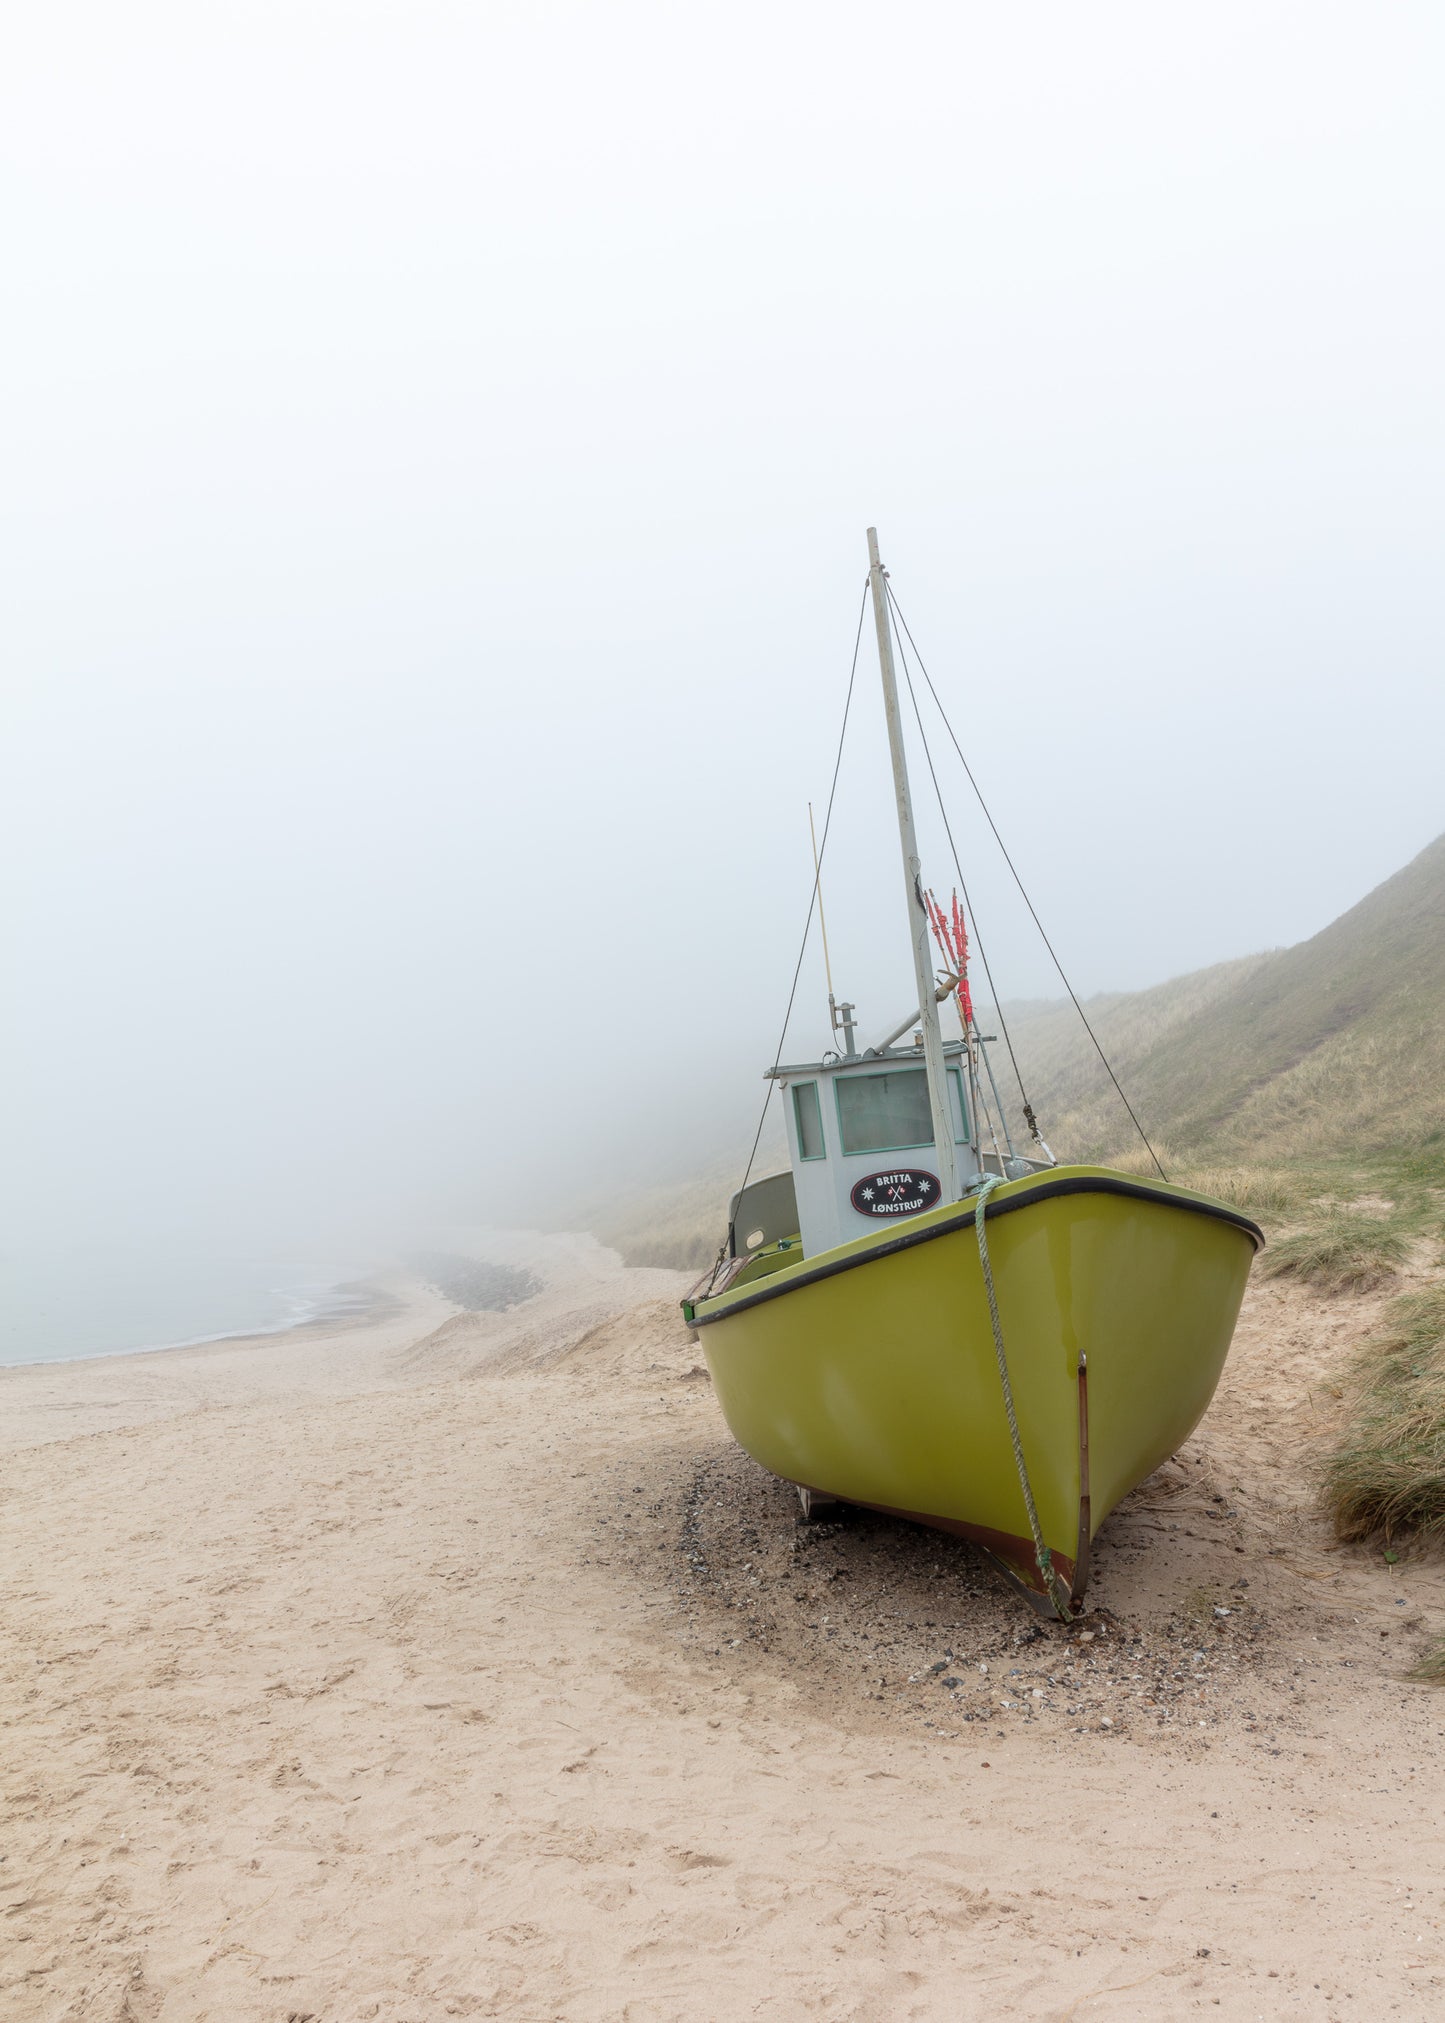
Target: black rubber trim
[(1045, 1190)]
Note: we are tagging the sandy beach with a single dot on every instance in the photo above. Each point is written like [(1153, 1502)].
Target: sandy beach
[(457, 1664)]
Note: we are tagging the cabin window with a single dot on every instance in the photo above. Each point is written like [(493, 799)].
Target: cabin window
[(884, 1113), (809, 1119), (961, 1131)]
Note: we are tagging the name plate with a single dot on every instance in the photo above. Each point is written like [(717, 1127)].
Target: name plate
[(900, 1191)]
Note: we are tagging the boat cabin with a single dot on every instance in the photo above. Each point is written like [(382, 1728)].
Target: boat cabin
[(861, 1148)]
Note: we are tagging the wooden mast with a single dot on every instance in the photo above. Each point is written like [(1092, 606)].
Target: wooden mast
[(938, 1102)]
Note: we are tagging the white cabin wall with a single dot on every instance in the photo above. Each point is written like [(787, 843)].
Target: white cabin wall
[(826, 1215), (814, 1180)]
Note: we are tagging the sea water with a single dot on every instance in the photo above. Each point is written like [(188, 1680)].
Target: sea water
[(86, 1300)]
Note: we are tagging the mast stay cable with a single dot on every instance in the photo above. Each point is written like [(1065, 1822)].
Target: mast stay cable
[(1098, 1049), (812, 904), (822, 917), (963, 884)]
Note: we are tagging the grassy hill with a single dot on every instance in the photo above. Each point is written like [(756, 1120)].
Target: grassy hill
[(1333, 1047)]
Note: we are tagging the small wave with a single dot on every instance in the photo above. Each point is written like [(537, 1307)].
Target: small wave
[(304, 1306)]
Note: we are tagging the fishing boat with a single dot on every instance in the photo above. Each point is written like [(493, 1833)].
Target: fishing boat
[(922, 1318)]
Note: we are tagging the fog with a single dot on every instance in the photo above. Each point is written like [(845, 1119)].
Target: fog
[(440, 442)]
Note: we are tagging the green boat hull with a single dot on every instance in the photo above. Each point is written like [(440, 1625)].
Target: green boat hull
[(870, 1372)]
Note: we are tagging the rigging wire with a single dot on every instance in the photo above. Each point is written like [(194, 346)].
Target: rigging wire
[(977, 933), (893, 602), (812, 901), (822, 917)]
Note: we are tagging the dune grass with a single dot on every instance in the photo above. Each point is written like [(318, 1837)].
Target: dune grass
[(1257, 1190), (1431, 1667), (1338, 1253), (1386, 1478), (1133, 1158)]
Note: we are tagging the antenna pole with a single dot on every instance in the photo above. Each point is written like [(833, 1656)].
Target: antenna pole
[(913, 884), (840, 1016)]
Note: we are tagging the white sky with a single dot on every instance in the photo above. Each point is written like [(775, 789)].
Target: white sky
[(439, 447)]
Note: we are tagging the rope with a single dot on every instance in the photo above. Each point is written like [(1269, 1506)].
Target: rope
[(807, 924), (1020, 884), (1058, 1594)]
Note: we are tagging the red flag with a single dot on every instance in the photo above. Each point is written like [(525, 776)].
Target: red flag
[(952, 939)]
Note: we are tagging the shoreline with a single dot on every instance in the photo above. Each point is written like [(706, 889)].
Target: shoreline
[(377, 1298), (407, 1329), (62, 1399), (468, 1279)]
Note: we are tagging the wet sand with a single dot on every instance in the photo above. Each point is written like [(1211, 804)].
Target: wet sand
[(457, 1664)]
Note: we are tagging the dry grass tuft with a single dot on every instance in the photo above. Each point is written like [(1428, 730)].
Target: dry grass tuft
[(1132, 1158), (1387, 1475), (1254, 1189), (1339, 1253), (1431, 1667)]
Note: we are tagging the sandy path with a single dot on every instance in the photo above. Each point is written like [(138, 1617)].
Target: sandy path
[(510, 1690)]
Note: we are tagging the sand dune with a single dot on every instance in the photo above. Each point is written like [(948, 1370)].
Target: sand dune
[(459, 1665)]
